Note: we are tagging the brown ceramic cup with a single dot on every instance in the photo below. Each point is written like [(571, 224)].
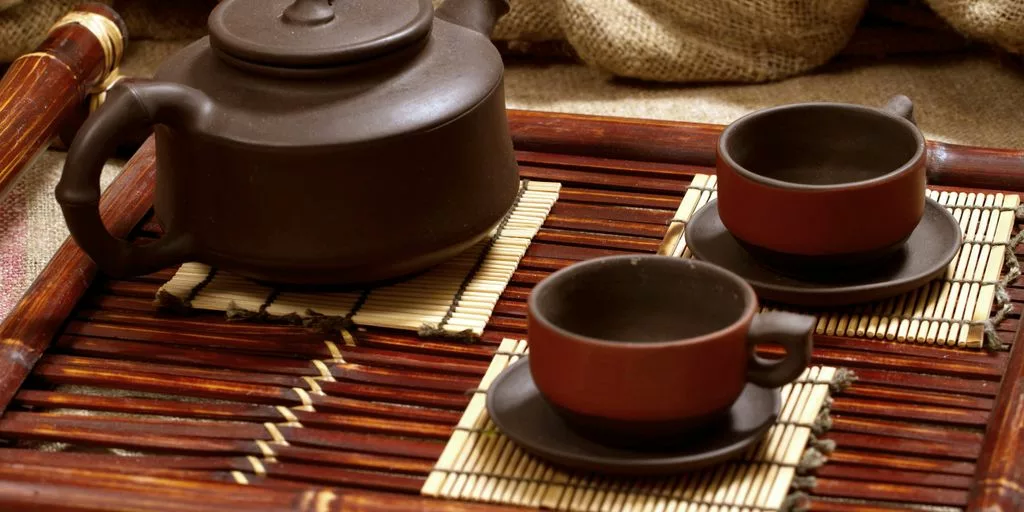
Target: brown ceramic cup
[(822, 184), (639, 349)]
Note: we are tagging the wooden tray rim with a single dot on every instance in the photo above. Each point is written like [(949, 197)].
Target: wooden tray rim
[(999, 480)]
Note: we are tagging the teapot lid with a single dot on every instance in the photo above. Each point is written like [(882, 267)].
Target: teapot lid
[(316, 33)]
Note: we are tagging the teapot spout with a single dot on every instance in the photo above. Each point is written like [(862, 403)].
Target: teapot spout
[(478, 15)]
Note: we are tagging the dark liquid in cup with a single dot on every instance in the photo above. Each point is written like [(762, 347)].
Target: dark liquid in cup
[(822, 145), (652, 302), (831, 174)]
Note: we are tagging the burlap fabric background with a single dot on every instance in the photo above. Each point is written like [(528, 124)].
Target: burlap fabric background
[(659, 40), (1000, 22), (691, 41)]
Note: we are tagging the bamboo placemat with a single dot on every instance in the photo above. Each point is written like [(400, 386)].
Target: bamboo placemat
[(456, 298), (482, 465), (955, 310)]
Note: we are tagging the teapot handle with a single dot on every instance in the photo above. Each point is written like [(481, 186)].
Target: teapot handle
[(130, 106)]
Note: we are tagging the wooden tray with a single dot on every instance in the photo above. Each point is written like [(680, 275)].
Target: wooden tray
[(923, 425)]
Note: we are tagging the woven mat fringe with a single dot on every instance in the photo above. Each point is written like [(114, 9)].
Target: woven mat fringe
[(1003, 300), (818, 450)]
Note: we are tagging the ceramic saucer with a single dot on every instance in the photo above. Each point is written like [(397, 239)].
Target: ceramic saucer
[(925, 256), (520, 412)]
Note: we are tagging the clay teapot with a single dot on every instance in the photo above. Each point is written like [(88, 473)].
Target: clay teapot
[(312, 142)]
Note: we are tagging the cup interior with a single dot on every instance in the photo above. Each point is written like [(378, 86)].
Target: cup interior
[(641, 299), (821, 144)]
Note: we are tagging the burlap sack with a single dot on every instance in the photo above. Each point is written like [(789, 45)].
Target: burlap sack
[(1000, 22), (708, 40), (24, 26)]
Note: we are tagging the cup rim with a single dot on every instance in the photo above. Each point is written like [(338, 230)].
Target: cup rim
[(891, 175), (749, 309)]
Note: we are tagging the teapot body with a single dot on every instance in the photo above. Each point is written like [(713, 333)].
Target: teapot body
[(343, 214)]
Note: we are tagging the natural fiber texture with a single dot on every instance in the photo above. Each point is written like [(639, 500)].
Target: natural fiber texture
[(31, 225), (454, 299), (1000, 22), (482, 465), (24, 26), (660, 40), (955, 310), (708, 40)]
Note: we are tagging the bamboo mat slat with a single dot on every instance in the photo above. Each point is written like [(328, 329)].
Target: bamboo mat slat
[(955, 310), (479, 464), (455, 298)]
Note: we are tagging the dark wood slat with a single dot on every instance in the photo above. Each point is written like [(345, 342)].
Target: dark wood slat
[(134, 289), (902, 461), (371, 452), (941, 415), (903, 445), (995, 360), (605, 181), (115, 303), (818, 504), (915, 380), (262, 394), (569, 193), (969, 439), (628, 243), (920, 397), (212, 323), (613, 213), (890, 492), (79, 490), (229, 411), (653, 231), (335, 476), (629, 167), (111, 461), (843, 472)]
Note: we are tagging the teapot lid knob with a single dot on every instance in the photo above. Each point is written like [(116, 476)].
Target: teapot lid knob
[(316, 33), (309, 12)]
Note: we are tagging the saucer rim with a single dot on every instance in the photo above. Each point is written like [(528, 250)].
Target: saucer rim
[(840, 294), (655, 463)]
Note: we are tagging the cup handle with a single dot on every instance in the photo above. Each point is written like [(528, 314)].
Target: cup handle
[(901, 106), (794, 333)]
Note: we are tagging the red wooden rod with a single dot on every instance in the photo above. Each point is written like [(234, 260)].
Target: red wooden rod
[(43, 89), (28, 329)]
